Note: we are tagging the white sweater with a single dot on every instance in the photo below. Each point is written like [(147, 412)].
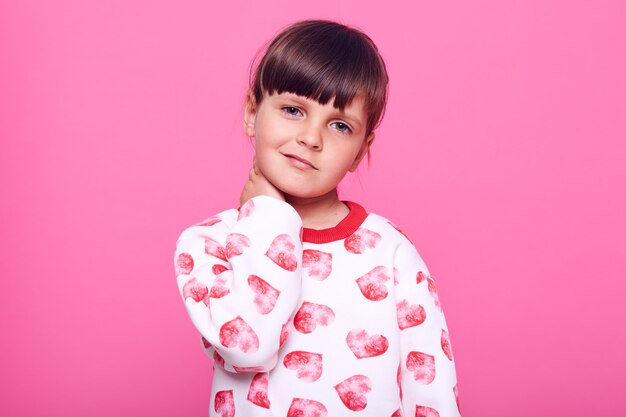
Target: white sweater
[(311, 323)]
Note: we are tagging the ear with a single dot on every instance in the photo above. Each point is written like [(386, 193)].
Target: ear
[(249, 115), (365, 147)]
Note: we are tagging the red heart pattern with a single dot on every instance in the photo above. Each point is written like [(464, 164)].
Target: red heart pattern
[(301, 407), (421, 411), (210, 221), (237, 333), (235, 244), (410, 315), (309, 315), (284, 333), (257, 394), (282, 252), (248, 369), (361, 240), (218, 359), (445, 344), (218, 269), (352, 392), (432, 288), (422, 365), (205, 343), (366, 346), (372, 284), (399, 379), (224, 403), (265, 296), (219, 289), (213, 248), (316, 264), (246, 210), (195, 289), (184, 264), (307, 364)]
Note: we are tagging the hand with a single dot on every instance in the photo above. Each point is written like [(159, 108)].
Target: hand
[(257, 185)]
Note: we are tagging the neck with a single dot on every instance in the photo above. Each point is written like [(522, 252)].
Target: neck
[(319, 212)]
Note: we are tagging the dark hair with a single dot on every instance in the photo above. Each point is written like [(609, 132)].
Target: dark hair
[(322, 60)]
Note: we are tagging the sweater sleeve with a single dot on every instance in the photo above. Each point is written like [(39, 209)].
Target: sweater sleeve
[(426, 375), (240, 281)]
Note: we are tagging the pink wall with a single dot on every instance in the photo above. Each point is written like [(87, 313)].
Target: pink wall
[(502, 156)]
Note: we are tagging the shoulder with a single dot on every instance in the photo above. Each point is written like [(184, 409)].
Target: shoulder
[(407, 260), (386, 228)]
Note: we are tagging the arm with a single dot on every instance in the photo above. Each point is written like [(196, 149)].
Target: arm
[(241, 282), (427, 374)]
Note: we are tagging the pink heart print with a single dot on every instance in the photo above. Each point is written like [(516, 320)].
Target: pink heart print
[(361, 240), (399, 378), (218, 269), (224, 403), (284, 333), (184, 264), (352, 392), (205, 343), (307, 364), (445, 344), (455, 389), (217, 358), (196, 290), (316, 264), (282, 252), (237, 333), (422, 365), (213, 248), (301, 407), (422, 411), (210, 221), (399, 230), (247, 369), (246, 210), (397, 413), (257, 394), (366, 346), (218, 289), (235, 244), (432, 288), (310, 315), (265, 295), (410, 315), (372, 284)]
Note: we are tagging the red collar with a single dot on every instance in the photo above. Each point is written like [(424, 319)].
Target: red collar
[(344, 228)]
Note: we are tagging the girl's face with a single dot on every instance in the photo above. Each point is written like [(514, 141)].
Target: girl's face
[(304, 148)]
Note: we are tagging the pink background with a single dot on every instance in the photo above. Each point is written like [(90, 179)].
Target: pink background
[(501, 155)]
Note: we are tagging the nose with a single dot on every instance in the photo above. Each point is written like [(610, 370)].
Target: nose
[(310, 137)]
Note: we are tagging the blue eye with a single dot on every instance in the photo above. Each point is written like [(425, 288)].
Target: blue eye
[(342, 127), (292, 111)]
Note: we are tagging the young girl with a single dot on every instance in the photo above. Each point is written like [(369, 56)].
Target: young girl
[(309, 305)]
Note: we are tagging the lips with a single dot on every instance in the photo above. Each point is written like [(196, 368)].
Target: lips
[(297, 159)]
